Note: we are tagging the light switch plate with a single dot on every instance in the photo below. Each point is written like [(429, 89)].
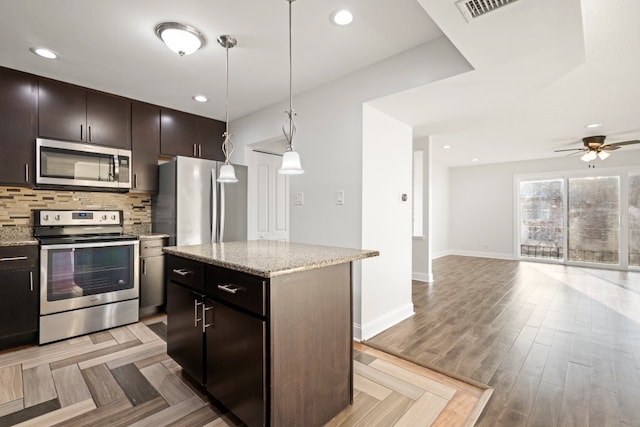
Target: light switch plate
[(298, 199), (340, 197)]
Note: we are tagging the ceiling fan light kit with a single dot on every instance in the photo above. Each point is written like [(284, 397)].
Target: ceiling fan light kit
[(596, 148)]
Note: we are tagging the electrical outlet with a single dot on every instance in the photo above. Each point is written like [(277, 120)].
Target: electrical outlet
[(340, 197), (298, 199)]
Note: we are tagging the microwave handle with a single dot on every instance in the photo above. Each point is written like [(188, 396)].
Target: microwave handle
[(116, 168)]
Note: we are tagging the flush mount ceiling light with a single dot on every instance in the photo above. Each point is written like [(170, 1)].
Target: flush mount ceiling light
[(446, 147), (200, 98), (290, 159), (474, 160), (227, 173), (180, 38), (341, 17), (593, 125), (44, 52)]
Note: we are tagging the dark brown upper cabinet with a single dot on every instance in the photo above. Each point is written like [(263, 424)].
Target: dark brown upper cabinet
[(184, 134), (145, 145), (73, 113), (17, 127)]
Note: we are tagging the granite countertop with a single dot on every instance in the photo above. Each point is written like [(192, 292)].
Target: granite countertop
[(269, 258), (18, 242), (153, 236)]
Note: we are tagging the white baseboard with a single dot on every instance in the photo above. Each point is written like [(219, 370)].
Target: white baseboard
[(364, 332), (422, 277), (441, 254), (495, 255)]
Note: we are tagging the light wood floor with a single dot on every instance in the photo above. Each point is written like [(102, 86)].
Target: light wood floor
[(560, 345), (123, 377)]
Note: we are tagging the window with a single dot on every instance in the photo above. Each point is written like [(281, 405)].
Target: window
[(541, 219), (634, 220), (594, 217), (578, 219)]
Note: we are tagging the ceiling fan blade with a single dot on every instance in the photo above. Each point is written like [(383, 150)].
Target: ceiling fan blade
[(610, 147), (569, 149), (620, 144), (573, 154)]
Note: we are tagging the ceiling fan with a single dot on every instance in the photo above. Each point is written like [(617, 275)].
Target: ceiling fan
[(595, 147)]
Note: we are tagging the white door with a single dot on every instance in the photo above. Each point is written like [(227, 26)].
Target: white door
[(268, 198)]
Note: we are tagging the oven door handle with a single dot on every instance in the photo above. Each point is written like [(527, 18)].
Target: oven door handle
[(92, 245), (116, 168)]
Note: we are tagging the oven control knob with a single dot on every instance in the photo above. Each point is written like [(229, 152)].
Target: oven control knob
[(57, 218), (104, 217), (113, 217), (45, 217)]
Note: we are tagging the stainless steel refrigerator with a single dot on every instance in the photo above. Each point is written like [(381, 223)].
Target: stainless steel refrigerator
[(192, 208)]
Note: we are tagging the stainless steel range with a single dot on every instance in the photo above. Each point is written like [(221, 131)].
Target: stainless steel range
[(89, 272)]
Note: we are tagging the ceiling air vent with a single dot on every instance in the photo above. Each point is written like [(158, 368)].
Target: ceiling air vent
[(471, 9)]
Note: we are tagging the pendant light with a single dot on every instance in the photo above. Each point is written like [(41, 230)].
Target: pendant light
[(227, 173), (290, 159)]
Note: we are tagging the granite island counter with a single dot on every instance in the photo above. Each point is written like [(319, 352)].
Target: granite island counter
[(265, 326)]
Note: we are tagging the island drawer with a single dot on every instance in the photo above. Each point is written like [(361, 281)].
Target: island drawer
[(240, 289), (186, 272)]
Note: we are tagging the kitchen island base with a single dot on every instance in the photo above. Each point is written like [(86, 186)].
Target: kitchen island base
[(272, 344)]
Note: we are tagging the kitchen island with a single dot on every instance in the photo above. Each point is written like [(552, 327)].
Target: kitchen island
[(265, 326)]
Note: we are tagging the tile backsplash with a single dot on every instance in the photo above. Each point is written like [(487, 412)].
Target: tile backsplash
[(16, 204)]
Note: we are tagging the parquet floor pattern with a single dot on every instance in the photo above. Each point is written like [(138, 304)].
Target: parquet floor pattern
[(123, 377), (560, 345)]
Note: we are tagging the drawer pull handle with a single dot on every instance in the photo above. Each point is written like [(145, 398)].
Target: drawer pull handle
[(229, 288), (14, 258), (182, 272)]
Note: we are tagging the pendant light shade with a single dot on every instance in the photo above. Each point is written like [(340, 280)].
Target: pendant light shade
[(227, 173), (291, 159), (291, 164), (589, 156)]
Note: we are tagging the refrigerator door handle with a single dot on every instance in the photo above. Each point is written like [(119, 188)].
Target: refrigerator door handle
[(214, 207), (222, 209)]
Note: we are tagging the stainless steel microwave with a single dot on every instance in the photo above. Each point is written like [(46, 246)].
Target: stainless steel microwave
[(75, 165)]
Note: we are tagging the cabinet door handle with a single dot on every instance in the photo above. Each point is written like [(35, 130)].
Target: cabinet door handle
[(135, 180), (26, 172), (81, 134), (194, 150), (89, 132), (199, 150), (196, 319), (144, 267), (182, 272), (205, 325), (229, 288), (31, 280), (14, 258)]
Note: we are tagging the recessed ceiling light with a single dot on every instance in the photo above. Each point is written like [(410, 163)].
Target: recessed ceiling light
[(593, 125), (180, 38), (200, 98), (446, 147), (44, 52), (474, 160), (341, 17)]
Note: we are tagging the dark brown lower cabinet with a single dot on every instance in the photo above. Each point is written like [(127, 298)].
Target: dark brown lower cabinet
[(236, 362), (18, 296), (275, 351), (185, 337)]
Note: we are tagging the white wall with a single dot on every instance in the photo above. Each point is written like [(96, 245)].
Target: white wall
[(386, 223), (329, 141), (482, 200), (436, 214), (441, 202)]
